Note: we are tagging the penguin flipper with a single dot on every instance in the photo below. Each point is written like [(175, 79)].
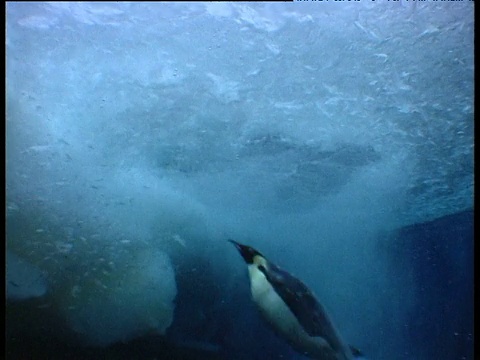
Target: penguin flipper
[(300, 301)]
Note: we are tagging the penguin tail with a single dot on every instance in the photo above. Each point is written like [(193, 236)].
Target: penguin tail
[(357, 354)]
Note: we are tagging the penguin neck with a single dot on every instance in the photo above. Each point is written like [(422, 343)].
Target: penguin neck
[(256, 276), (259, 284)]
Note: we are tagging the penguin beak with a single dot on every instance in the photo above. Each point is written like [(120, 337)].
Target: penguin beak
[(239, 246), (246, 251)]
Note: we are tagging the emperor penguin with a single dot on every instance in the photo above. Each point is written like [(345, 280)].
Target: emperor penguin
[(292, 310)]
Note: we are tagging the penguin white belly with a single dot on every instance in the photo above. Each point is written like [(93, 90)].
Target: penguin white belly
[(281, 318)]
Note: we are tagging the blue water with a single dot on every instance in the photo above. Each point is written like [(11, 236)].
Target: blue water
[(334, 137)]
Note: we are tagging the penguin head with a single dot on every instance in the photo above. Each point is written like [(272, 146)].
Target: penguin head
[(249, 254)]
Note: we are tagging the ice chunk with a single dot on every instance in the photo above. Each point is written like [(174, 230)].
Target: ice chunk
[(131, 301), (24, 280)]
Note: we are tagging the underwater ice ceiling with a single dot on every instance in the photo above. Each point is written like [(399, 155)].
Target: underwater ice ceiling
[(258, 92)]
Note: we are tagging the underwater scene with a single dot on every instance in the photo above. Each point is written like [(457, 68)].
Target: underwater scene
[(239, 180)]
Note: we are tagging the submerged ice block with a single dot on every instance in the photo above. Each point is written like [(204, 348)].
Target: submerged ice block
[(24, 280)]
